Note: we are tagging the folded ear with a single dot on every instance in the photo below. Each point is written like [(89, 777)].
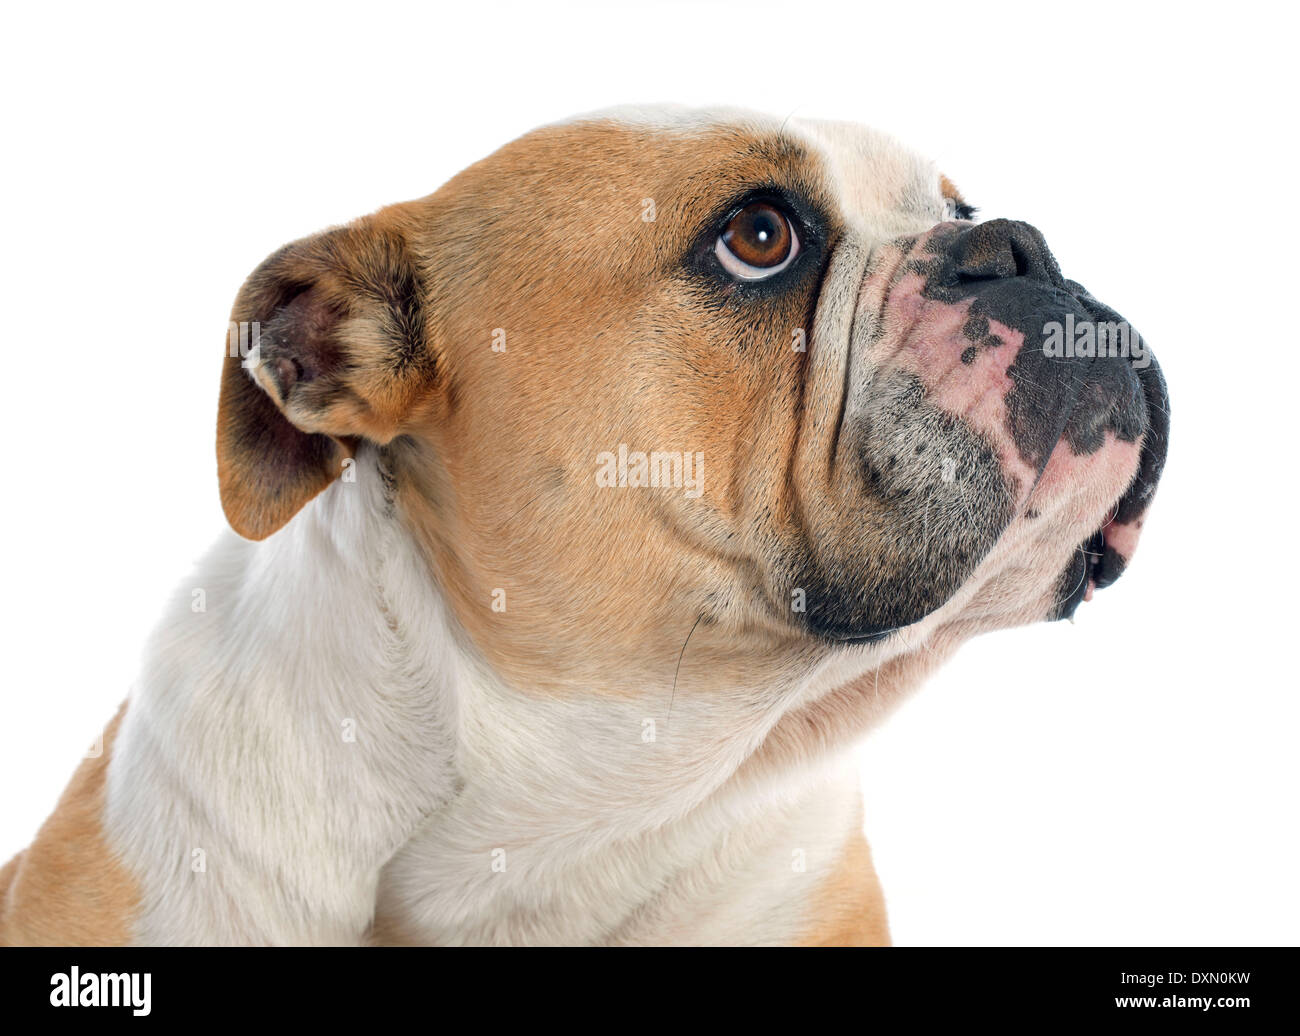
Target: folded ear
[(327, 346)]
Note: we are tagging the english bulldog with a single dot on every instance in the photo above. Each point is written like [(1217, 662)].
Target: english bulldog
[(586, 514)]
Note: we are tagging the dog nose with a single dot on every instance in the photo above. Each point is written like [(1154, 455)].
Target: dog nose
[(1001, 249)]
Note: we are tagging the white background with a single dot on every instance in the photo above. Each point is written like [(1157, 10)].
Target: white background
[(1129, 779)]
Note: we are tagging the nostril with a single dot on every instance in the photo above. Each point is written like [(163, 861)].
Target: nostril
[(1020, 258), (1001, 249), (983, 253)]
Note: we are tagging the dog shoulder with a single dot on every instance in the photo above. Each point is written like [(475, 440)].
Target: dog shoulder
[(68, 887)]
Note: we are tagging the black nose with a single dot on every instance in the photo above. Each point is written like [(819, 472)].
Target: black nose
[(1000, 249)]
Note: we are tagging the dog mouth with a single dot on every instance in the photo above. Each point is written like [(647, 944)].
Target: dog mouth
[(972, 399), (1102, 558), (1082, 576)]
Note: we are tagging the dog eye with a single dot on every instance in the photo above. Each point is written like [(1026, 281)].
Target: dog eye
[(757, 242)]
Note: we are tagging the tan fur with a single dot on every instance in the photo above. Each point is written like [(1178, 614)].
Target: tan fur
[(949, 190), (599, 353), (849, 908), (493, 454), (68, 888)]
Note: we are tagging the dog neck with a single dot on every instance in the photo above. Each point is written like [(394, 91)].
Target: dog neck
[(311, 747)]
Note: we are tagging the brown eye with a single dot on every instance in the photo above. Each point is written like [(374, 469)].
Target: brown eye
[(757, 242)]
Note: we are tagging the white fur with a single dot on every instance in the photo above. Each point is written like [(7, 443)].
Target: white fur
[(234, 741), (233, 745)]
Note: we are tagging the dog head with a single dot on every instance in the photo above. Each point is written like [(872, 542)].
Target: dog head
[(653, 377)]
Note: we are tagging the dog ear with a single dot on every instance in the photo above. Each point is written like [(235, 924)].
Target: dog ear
[(327, 346)]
